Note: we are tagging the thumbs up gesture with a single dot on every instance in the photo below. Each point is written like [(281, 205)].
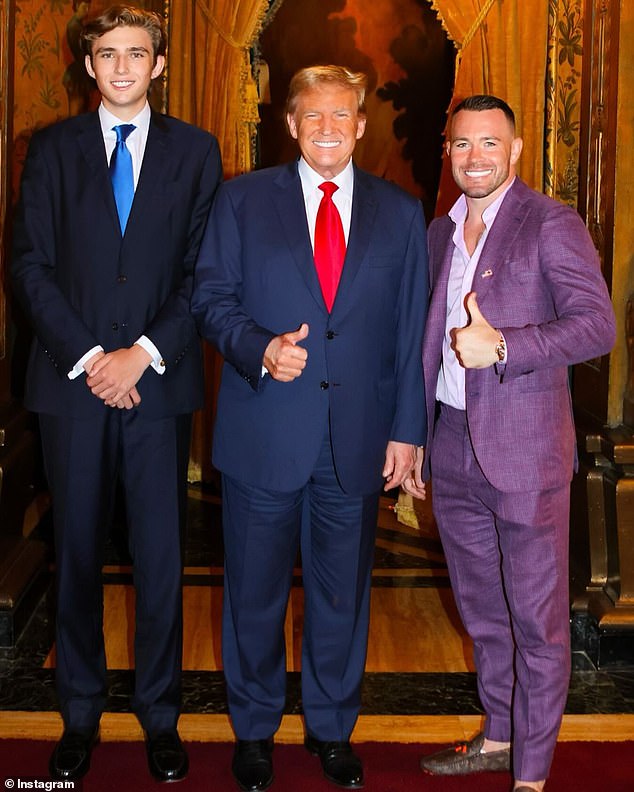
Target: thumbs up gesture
[(474, 344), (283, 358)]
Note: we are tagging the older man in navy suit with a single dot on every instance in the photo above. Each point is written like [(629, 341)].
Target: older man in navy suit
[(312, 282), (517, 297), (103, 263)]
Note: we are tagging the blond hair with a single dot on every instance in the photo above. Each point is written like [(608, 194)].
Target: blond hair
[(312, 76)]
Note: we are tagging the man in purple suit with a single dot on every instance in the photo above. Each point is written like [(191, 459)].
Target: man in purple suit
[(517, 297)]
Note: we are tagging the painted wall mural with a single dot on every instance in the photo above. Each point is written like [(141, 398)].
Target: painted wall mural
[(49, 83)]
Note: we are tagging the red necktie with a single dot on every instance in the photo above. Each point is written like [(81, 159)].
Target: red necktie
[(330, 244)]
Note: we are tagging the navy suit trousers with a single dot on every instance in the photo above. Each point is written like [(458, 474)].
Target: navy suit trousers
[(263, 531), (84, 459)]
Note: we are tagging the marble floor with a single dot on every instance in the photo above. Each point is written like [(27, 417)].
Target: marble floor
[(420, 681)]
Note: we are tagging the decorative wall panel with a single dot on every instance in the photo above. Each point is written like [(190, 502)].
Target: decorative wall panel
[(563, 100)]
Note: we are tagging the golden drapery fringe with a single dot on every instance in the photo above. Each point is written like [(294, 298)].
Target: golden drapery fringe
[(460, 41), (248, 91), (441, 18), (211, 84)]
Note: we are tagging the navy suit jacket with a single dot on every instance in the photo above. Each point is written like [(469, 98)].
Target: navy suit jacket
[(82, 284), (256, 278)]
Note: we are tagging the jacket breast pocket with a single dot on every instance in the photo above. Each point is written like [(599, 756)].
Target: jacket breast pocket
[(523, 271)]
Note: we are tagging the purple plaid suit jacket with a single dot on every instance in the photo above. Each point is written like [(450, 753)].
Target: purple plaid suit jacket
[(538, 281)]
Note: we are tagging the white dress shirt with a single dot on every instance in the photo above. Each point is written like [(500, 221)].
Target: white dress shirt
[(342, 198)]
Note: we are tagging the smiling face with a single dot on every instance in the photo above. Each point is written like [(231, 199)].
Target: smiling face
[(483, 150), (123, 65), (327, 124)]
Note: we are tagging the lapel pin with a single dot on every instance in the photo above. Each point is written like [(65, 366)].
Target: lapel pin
[(487, 273)]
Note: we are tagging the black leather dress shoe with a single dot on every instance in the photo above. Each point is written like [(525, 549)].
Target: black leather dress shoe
[(252, 764), (70, 760), (338, 761), (166, 756)]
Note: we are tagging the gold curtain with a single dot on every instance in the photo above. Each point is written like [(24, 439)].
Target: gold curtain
[(210, 81), (211, 86), (502, 50)]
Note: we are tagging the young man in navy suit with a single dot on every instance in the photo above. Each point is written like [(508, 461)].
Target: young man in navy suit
[(517, 297), (104, 270), (319, 313)]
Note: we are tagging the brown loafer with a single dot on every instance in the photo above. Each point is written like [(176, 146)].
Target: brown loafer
[(466, 757)]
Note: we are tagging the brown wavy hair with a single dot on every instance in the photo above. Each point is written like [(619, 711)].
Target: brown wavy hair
[(124, 16)]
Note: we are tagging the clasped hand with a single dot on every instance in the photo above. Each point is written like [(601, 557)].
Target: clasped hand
[(112, 376)]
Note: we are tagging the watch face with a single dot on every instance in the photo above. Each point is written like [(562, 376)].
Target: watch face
[(500, 350)]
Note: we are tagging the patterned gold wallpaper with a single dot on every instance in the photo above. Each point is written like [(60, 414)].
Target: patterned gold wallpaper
[(50, 81), (563, 100)]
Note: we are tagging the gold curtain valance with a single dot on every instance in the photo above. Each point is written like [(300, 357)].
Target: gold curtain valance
[(455, 20)]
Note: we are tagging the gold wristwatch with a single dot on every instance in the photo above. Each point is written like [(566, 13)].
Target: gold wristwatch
[(500, 349)]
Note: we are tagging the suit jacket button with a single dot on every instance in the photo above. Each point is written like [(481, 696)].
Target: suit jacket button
[(121, 279), (323, 385), (115, 326), (330, 335)]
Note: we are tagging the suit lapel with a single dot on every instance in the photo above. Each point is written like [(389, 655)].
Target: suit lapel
[(440, 256), (157, 150), (90, 141), (288, 200), (506, 227), (364, 207)]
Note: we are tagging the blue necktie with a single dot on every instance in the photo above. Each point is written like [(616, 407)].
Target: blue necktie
[(121, 174)]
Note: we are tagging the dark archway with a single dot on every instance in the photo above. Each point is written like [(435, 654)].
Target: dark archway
[(409, 61)]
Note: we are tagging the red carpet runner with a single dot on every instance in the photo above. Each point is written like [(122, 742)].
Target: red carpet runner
[(389, 767)]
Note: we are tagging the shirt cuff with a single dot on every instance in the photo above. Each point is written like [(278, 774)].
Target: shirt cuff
[(158, 364), (78, 368)]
